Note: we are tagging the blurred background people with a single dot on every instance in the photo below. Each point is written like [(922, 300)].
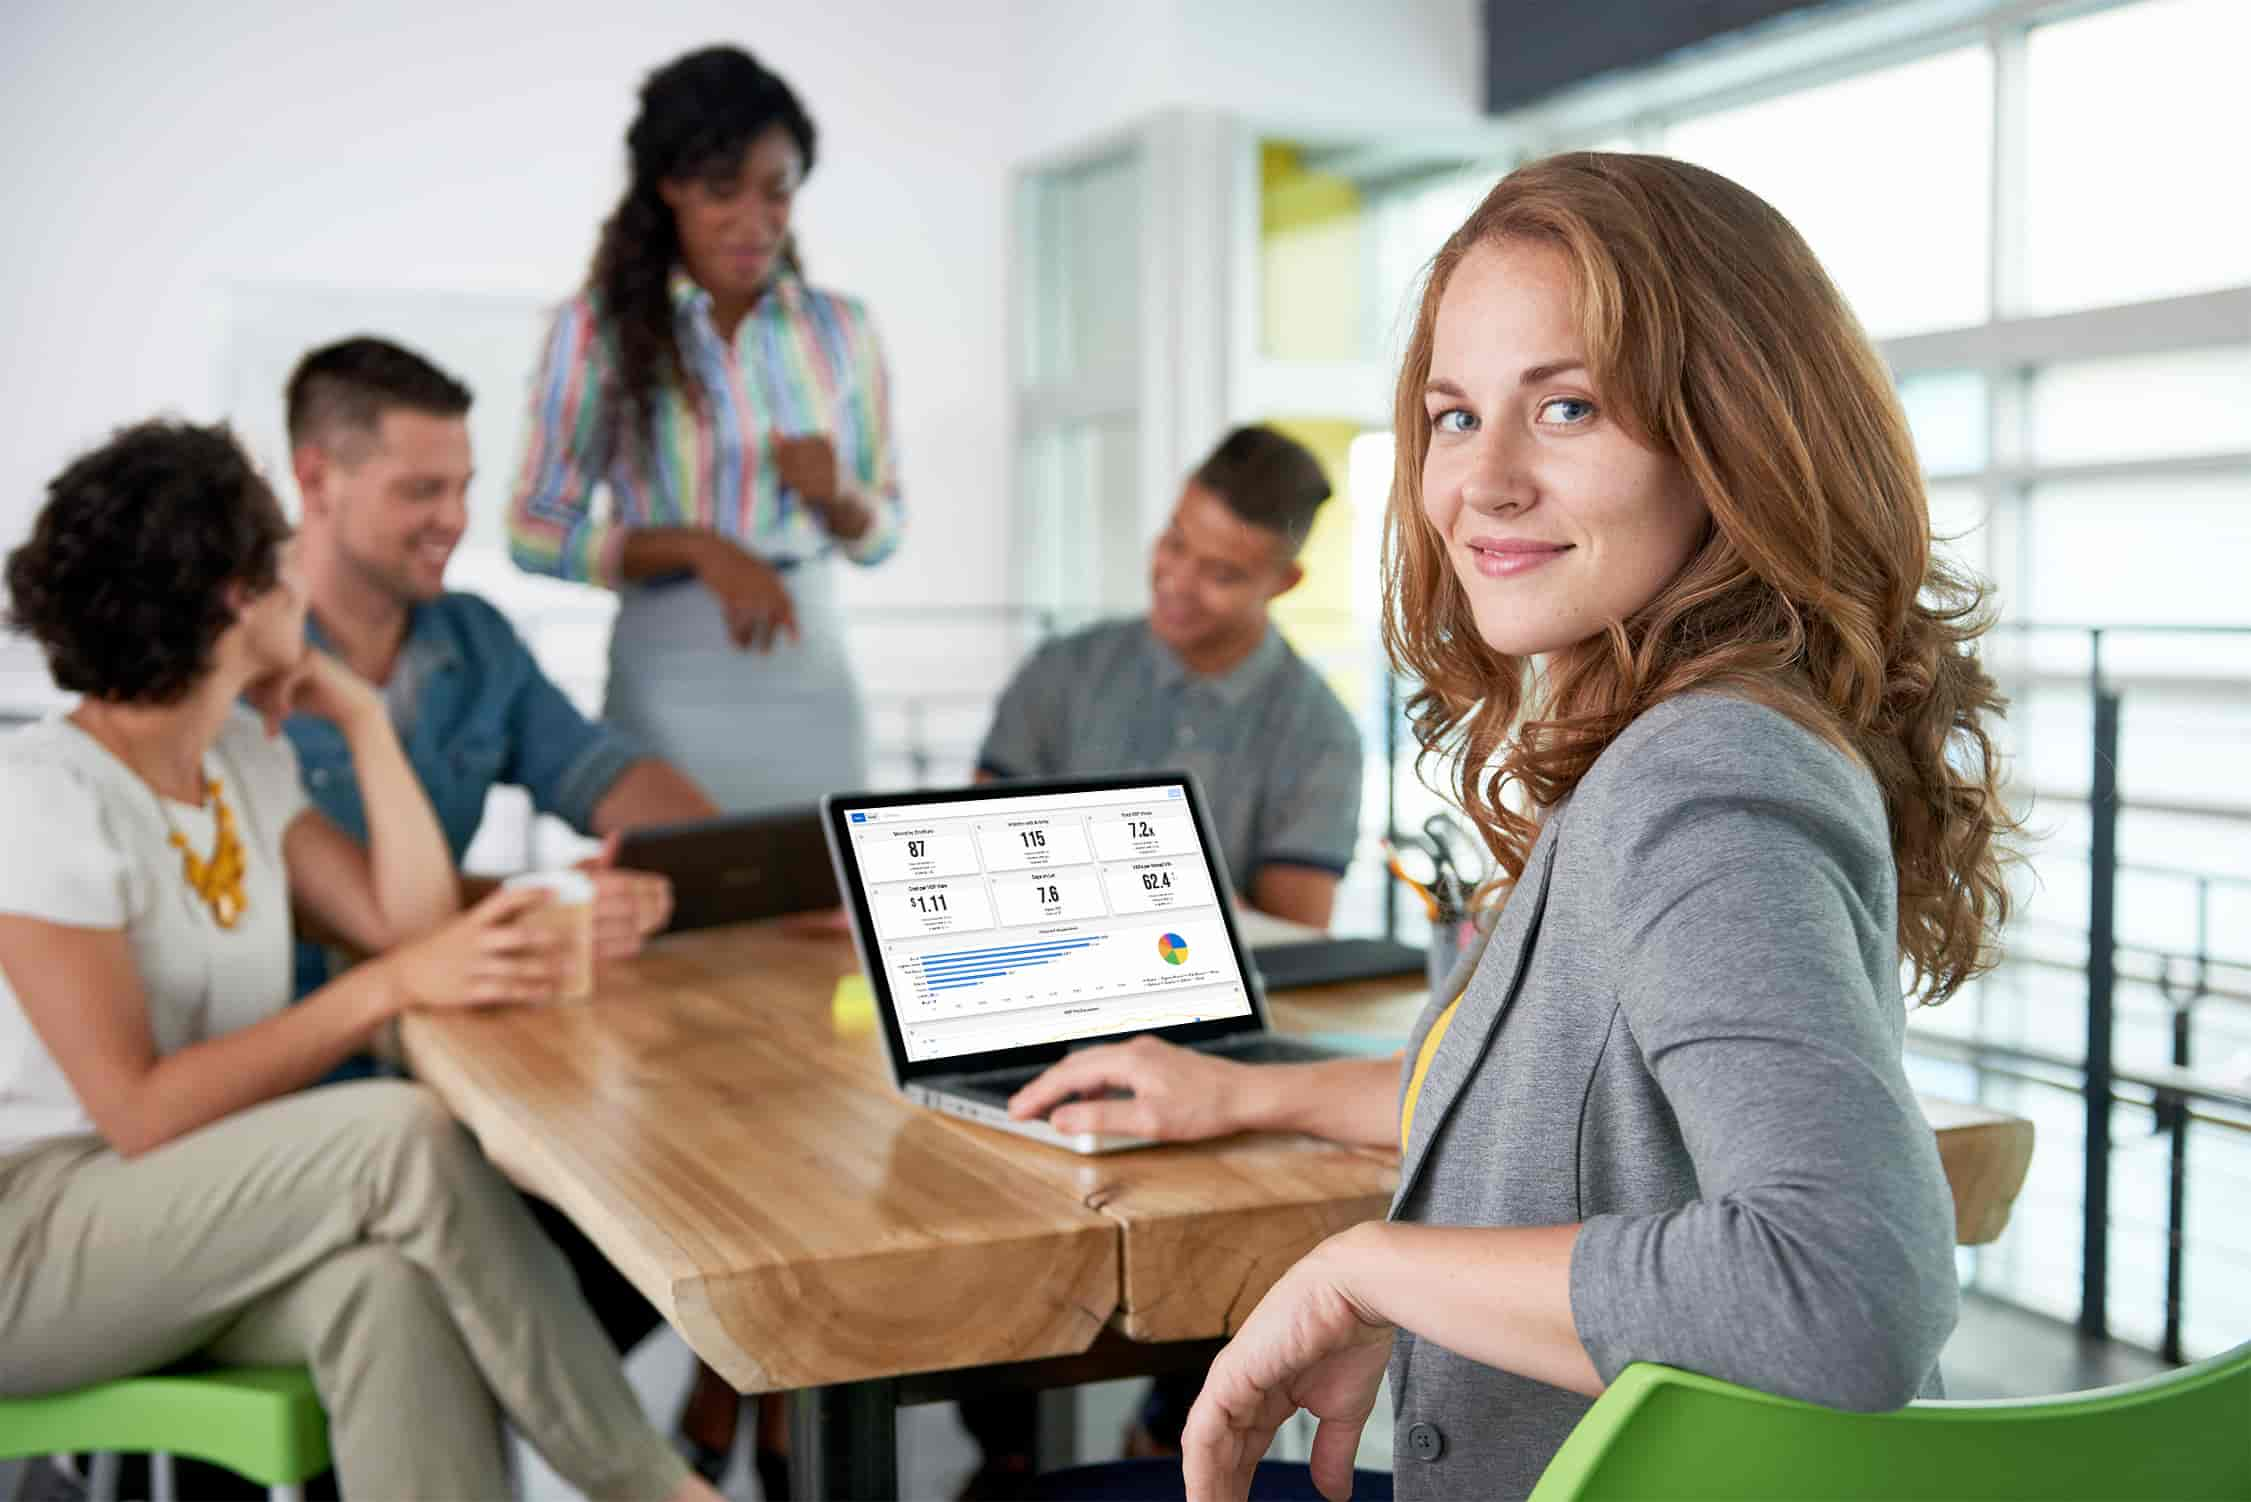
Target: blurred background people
[(739, 420), (166, 1186), (379, 446), (1206, 681)]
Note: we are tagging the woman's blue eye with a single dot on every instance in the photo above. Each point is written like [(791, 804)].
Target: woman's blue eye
[(1445, 421), (1579, 411)]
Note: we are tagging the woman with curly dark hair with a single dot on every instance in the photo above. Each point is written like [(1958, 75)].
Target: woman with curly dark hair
[(1659, 555), (168, 1187), (739, 420)]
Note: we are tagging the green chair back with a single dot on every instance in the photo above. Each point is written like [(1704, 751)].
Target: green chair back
[(264, 1423), (1662, 1433)]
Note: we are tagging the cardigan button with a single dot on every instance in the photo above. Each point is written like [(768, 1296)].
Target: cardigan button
[(1424, 1442)]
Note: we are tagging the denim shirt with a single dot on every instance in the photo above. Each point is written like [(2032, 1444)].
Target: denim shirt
[(472, 709)]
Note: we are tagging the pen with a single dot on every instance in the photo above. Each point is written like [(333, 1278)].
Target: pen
[(1391, 862)]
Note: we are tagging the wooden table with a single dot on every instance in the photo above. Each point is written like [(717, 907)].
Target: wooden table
[(737, 1150), (740, 1154)]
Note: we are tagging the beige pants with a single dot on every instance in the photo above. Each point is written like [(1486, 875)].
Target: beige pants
[(357, 1230)]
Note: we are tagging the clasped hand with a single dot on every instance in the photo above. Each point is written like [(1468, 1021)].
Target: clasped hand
[(1309, 1344), (318, 684), (484, 957), (629, 906)]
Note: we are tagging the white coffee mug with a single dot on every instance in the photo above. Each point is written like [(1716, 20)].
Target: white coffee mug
[(569, 912)]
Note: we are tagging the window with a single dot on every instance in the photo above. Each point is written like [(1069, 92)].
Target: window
[(2138, 120), (1080, 422), (2187, 402), (1888, 175), (2161, 552), (1959, 527), (1946, 413), (1084, 322)]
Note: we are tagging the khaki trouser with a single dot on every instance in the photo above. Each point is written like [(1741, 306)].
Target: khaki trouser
[(356, 1230)]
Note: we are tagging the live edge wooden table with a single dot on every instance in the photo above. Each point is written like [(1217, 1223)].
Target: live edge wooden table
[(736, 1148)]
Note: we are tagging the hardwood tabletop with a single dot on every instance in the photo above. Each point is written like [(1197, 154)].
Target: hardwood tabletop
[(749, 1167), (732, 1141)]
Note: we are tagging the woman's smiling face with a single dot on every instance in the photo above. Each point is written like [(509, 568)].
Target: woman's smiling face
[(1556, 520)]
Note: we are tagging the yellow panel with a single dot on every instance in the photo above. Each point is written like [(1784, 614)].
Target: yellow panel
[(1309, 260), (1316, 616)]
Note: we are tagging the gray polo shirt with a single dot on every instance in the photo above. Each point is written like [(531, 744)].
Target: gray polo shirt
[(1277, 755)]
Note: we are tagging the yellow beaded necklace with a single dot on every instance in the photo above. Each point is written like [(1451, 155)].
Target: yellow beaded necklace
[(217, 880)]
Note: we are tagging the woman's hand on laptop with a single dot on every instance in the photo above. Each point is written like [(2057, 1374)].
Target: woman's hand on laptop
[(1172, 1094)]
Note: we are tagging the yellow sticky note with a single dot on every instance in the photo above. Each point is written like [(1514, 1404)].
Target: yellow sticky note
[(852, 1007)]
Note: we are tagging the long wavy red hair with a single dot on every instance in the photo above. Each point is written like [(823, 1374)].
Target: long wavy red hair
[(1715, 337)]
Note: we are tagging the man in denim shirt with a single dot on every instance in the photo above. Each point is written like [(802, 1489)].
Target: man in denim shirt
[(379, 442), (380, 447)]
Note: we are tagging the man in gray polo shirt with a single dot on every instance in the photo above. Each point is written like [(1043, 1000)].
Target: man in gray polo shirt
[(1204, 681)]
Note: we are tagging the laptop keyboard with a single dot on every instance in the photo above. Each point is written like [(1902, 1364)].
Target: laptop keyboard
[(995, 1088), (998, 1086)]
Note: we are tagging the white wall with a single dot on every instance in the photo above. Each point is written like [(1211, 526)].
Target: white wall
[(170, 166)]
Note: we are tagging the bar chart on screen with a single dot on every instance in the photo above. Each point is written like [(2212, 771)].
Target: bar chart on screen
[(1063, 963), (970, 969)]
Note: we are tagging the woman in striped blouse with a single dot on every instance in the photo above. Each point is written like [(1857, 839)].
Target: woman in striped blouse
[(739, 420)]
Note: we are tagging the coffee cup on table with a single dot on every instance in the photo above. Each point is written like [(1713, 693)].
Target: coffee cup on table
[(568, 912)]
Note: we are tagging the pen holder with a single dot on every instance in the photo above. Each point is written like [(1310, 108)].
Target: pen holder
[(1451, 934)]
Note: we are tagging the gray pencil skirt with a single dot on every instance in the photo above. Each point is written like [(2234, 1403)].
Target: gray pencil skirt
[(757, 729)]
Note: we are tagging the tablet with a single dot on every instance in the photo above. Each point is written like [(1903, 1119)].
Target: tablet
[(737, 867)]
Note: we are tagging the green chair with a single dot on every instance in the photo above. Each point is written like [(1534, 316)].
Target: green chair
[(264, 1423), (1664, 1433)]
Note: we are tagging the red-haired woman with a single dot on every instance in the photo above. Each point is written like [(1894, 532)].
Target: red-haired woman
[(1659, 554)]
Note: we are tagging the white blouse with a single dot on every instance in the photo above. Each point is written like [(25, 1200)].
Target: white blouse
[(85, 842)]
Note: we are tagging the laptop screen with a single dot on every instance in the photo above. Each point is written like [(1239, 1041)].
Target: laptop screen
[(1010, 922)]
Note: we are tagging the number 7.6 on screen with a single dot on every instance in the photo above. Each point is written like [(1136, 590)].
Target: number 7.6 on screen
[(1049, 897)]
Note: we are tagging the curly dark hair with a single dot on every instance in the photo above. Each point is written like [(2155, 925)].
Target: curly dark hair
[(699, 113), (123, 580)]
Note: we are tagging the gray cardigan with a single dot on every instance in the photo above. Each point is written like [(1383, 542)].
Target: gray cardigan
[(1685, 1034)]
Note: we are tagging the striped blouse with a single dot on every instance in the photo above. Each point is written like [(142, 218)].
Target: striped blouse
[(803, 362)]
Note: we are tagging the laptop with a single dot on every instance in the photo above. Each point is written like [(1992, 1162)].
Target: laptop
[(736, 867), (1004, 924)]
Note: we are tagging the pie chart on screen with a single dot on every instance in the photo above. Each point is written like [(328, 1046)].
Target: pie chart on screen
[(1173, 949)]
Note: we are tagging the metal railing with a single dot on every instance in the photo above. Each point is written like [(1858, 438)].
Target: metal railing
[(2170, 1096)]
